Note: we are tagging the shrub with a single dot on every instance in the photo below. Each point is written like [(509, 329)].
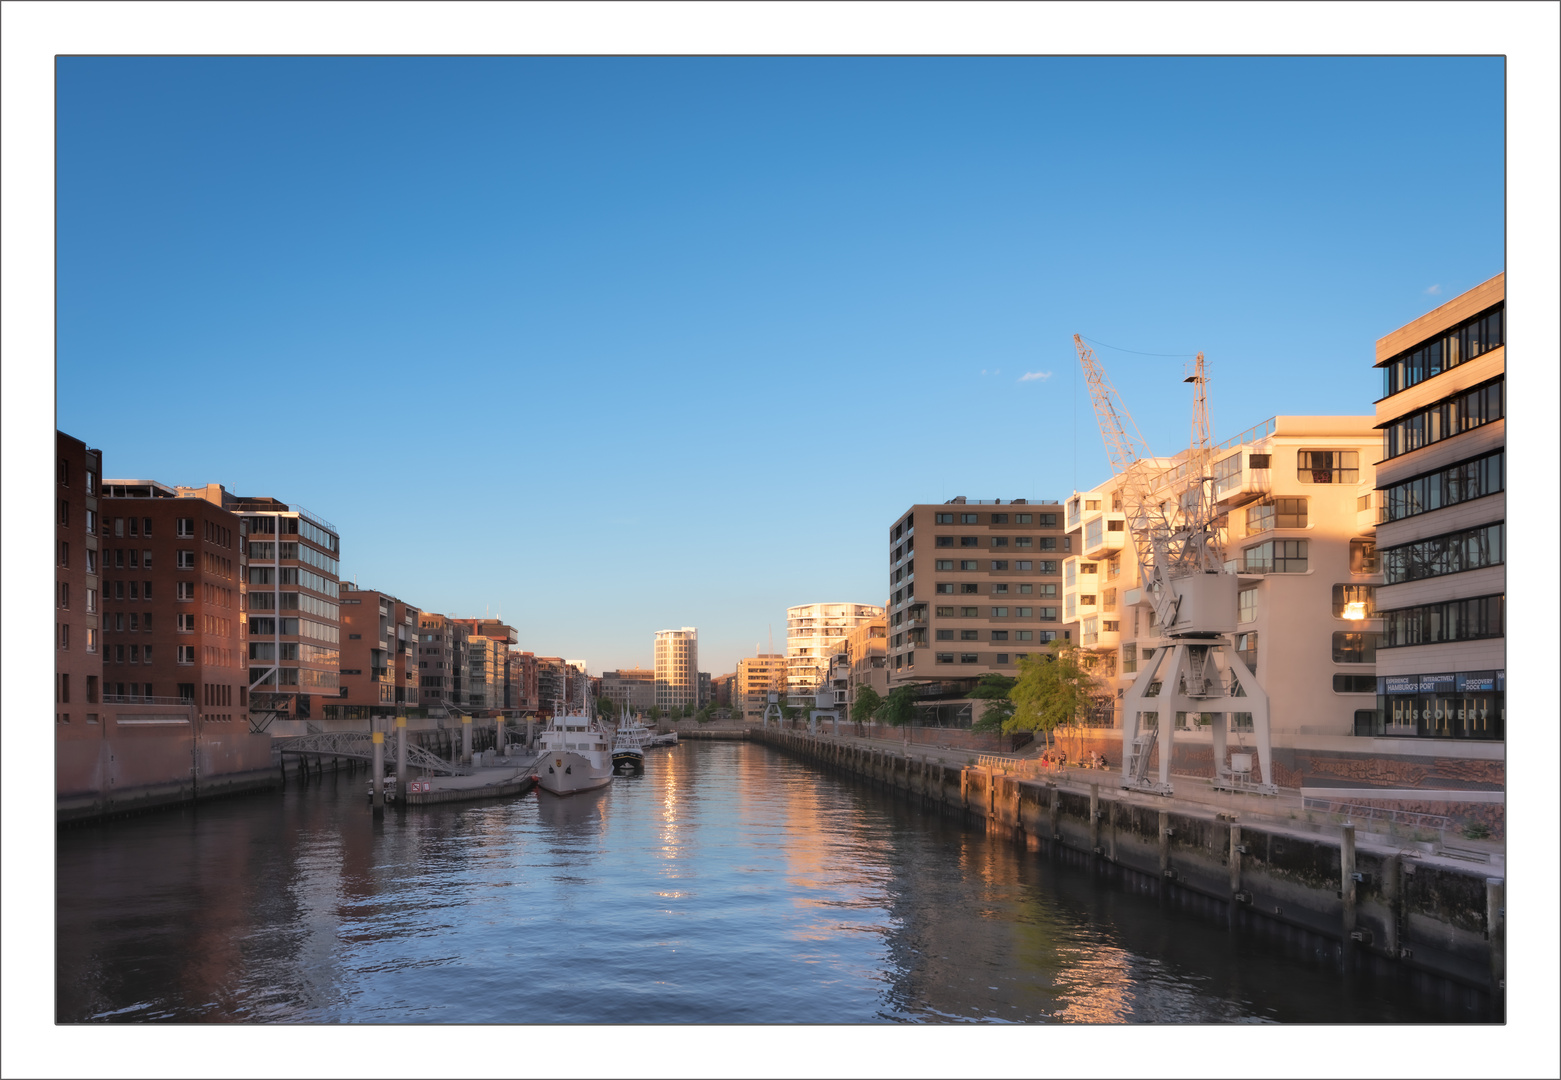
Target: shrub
[(1476, 830)]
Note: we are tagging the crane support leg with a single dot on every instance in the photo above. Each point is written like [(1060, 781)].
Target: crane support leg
[(1138, 741)]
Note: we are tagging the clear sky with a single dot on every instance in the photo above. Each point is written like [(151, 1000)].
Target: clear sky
[(606, 346)]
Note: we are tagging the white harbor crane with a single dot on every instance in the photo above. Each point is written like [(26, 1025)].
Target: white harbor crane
[(1174, 526)]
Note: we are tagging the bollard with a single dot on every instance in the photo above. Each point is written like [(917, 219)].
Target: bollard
[(498, 734), (1496, 928), (1347, 880), (1235, 871), (1094, 819), (466, 740), (401, 759), (1056, 822), (1392, 889), (379, 773), (1165, 852)]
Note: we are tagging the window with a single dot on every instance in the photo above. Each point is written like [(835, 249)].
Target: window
[(969, 635), (943, 519), (92, 521), (185, 654), (64, 635), (1363, 556), (184, 590), (64, 594), (1451, 416), (1047, 635), (1048, 543), (1025, 564), (184, 528), (999, 519), (970, 588), (939, 564), (999, 635), (943, 541), (968, 658), (967, 564), (135, 622), (1000, 589), (92, 639), (92, 601), (1028, 541), (1327, 466), (942, 658), (1246, 604), (1454, 620), (1115, 526), (1002, 658), (968, 541), (1246, 648), (1350, 647), (969, 612), (1354, 684), (1022, 519), (1047, 521), (1354, 601), (942, 588), (967, 519), (184, 623), (1091, 504), (1470, 338), (1466, 480), (92, 561), (1275, 557), (1129, 659), (1276, 514), (944, 635), (999, 564), (1047, 614), (945, 612), (1024, 635), (1002, 612), (1048, 566), (999, 541), (184, 560), (1451, 553)]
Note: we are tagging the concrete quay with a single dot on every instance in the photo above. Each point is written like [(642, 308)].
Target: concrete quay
[(1373, 902)]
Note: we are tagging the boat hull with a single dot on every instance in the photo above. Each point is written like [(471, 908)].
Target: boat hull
[(628, 761), (561, 772)]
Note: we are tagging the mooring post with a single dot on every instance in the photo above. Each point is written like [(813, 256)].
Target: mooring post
[(1235, 870), (1496, 927), (498, 734), (379, 770), (1094, 819), (1392, 889), (1165, 846), (1056, 821), (466, 740), (401, 757), (1347, 880)]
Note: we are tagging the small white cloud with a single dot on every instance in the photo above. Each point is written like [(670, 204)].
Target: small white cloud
[(983, 371), (1031, 376), (1434, 290)]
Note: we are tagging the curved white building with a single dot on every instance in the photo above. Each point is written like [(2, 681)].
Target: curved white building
[(814, 633), (677, 668)]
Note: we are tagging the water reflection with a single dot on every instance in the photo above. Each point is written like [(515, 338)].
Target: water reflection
[(728, 883)]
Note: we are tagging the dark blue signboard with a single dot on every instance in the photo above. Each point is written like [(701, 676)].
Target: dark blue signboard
[(1476, 681)]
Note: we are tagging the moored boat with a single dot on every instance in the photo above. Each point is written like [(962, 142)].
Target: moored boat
[(576, 754), (628, 750)]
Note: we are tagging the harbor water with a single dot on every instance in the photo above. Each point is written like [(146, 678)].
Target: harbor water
[(729, 883)]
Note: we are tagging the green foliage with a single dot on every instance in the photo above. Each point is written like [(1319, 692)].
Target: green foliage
[(1051, 690), (605, 708), (655, 713), (868, 702), (1476, 830), (994, 690), (899, 708)]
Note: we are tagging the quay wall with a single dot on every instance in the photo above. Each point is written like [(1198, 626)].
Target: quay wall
[(125, 769), (1385, 910)]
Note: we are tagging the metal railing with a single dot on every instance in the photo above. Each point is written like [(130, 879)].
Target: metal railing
[(140, 699)]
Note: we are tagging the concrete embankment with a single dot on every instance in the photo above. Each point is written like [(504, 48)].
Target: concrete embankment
[(1371, 902)]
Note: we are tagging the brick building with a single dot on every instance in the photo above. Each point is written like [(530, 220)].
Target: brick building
[(379, 655), (78, 660)]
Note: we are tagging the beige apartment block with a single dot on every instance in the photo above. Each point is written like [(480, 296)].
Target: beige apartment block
[(814, 634), (989, 592), (756, 678), (677, 668), (1297, 495), (863, 661), (488, 643), (1442, 479), (630, 688)]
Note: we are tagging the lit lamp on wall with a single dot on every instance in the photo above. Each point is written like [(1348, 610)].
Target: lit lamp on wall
[(1356, 609)]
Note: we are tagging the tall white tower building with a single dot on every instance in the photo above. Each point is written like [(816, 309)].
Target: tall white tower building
[(677, 668)]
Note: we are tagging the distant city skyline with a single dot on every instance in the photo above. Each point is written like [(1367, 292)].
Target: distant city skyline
[(712, 269)]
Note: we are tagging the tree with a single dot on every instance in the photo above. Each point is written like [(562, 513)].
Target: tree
[(605, 708), (994, 690), (899, 710), (654, 714), (868, 701), (1051, 691)]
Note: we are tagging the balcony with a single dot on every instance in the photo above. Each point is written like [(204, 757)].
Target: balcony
[(1101, 542)]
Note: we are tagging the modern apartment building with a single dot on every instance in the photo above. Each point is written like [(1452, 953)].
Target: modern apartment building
[(293, 593), (721, 687), (1441, 665), (552, 682), (487, 648), (704, 689), (173, 621), (677, 668), (990, 592), (78, 657), (630, 688), (867, 659), (441, 661), (380, 653), (756, 678), (814, 634), (523, 687), (1296, 494)]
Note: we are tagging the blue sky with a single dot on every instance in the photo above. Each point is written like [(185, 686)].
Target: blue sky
[(612, 345)]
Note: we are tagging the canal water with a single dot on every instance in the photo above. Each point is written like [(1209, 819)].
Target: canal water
[(728, 884)]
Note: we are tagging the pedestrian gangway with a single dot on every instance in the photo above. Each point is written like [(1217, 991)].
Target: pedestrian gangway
[(360, 745)]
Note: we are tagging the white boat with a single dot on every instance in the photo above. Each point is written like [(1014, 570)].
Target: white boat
[(576, 754), (628, 749)]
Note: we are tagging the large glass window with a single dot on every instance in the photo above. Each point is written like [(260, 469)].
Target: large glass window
[(1462, 412), (1470, 338), (1246, 605), (1275, 557), (1276, 514), (1452, 553), (1454, 484), (1453, 620), (1246, 648), (1354, 601), (1352, 647), (1327, 466)]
